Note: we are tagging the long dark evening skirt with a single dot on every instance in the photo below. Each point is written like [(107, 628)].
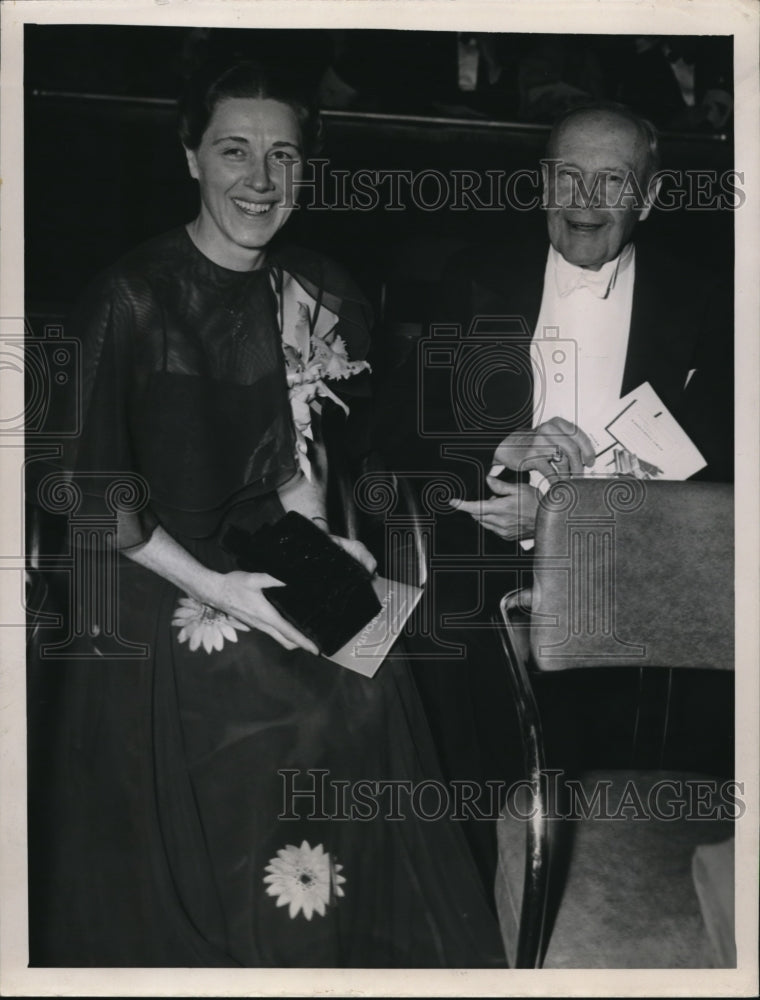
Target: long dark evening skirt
[(166, 828)]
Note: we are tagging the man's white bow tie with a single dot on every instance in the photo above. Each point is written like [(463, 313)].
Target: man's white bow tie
[(597, 282)]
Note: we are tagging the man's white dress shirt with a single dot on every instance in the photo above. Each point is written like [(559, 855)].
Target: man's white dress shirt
[(581, 339), (580, 343)]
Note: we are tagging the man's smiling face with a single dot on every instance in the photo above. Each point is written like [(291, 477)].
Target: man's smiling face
[(598, 148)]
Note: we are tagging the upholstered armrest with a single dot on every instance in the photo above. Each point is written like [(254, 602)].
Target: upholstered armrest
[(632, 573)]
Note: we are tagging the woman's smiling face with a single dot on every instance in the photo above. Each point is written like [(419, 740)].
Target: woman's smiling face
[(246, 165)]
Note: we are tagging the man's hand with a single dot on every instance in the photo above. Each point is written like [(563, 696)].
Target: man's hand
[(556, 446), (509, 513)]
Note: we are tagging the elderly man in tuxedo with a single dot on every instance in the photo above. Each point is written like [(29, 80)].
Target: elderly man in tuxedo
[(632, 314), (635, 313)]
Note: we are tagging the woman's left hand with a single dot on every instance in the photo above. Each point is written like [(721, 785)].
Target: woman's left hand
[(358, 551)]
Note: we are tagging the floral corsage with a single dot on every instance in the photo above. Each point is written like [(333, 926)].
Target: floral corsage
[(314, 355)]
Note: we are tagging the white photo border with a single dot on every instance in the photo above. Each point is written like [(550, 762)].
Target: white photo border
[(738, 17)]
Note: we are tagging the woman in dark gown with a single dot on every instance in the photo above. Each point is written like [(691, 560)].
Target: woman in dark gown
[(171, 840)]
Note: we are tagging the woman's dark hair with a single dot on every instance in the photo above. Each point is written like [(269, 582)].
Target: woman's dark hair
[(218, 79)]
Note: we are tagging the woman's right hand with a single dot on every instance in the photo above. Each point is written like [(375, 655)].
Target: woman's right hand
[(241, 595), (237, 593)]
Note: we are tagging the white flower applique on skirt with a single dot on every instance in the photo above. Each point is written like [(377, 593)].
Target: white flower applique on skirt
[(304, 879), (201, 625)]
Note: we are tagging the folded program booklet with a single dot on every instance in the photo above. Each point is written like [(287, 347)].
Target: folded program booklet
[(369, 647), (644, 427)]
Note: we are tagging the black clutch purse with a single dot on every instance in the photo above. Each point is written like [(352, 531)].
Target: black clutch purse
[(327, 595)]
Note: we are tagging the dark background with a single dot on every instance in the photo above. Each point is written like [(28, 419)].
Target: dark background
[(105, 170)]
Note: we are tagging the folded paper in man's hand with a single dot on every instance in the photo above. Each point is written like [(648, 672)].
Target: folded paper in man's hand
[(644, 427)]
